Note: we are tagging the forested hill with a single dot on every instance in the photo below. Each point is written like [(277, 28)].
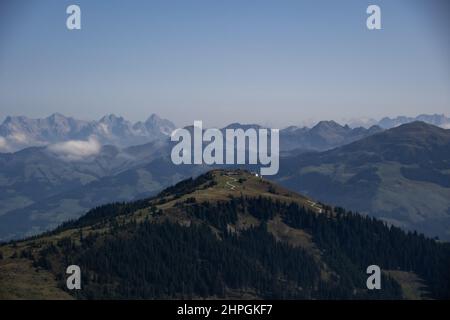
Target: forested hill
[(225, 234), (400, 176)]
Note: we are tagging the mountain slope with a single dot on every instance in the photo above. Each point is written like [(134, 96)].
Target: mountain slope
[(323, 136), (132, 184), (228, 234), (39, 189), (400, 175)]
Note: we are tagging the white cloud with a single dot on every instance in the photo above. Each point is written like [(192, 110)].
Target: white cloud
[(19, 138), (3, 145), (73, 150)]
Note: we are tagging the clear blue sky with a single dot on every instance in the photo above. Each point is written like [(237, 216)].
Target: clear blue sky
[(271, 62)]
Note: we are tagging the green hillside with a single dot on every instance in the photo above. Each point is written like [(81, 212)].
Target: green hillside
[(401, 175), (225, 234)]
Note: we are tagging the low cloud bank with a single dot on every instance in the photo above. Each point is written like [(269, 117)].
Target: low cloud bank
[(74, 150), (3, 145)]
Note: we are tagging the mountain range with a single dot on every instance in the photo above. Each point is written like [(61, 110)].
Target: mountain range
[(439, 120), (399, 175), (324, 135), (44, 186), (20, 132)]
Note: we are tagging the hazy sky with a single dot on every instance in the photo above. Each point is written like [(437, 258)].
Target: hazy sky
[(271, 62)]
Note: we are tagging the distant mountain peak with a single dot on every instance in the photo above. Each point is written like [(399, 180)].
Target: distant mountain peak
[(153, 118), (416, 126), (327, 124), (414, 140), (57, 115), (237, 125), (155, 124), (10, 119), (111, 118)]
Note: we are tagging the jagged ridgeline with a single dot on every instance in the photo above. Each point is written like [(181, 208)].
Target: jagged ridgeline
[(225, 234)]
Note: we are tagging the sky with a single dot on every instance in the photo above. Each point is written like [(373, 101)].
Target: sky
[(276, 62)]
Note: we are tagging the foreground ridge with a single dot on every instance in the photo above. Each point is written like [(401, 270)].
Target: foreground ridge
[(225, 234)]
